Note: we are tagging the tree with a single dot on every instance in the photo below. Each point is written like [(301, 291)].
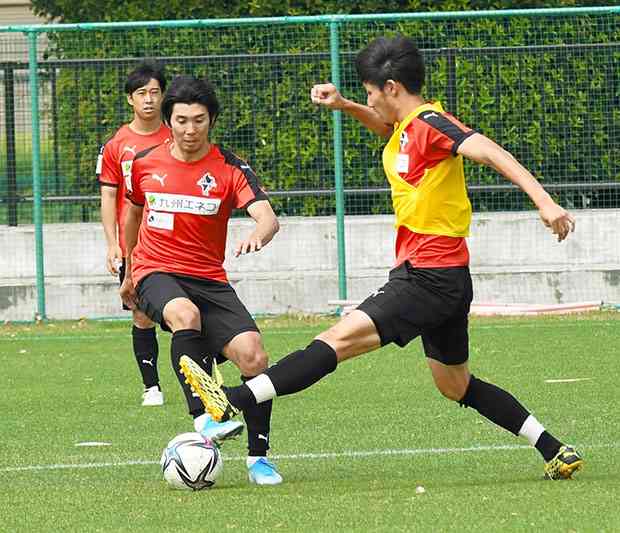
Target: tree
[(73, 11)]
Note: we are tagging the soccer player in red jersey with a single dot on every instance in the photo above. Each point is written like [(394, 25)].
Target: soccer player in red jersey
[(144, 88), (182, 196), (429, 290)]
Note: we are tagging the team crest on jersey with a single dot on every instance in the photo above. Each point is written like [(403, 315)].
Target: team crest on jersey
[(206, 183), (404, 140)]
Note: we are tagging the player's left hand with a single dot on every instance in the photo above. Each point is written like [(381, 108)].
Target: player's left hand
[(253, 244), (560, 221)]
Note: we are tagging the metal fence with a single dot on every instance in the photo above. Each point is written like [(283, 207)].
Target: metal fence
[(543, 83)]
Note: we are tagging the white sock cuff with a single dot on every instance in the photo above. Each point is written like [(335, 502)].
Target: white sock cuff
[(261, 388), (531, 430), (250, 460)]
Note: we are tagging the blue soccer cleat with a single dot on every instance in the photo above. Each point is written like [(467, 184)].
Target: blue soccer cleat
[(262, 472), (218, 431)]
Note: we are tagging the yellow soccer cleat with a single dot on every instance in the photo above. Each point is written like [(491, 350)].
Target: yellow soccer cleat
[(208, 389), (565, 462), (216, 374)]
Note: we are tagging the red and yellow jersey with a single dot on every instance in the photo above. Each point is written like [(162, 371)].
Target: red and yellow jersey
[(429, 196), (186, 210), (114, 165)]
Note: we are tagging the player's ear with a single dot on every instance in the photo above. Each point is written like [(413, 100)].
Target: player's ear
[(130, 100), (390, 88)]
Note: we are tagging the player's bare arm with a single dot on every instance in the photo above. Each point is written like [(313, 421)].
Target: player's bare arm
[(483, 150), (132, 225), (267, 226), (114, 255), (327, 94)]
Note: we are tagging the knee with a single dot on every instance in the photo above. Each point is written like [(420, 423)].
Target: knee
[(252, 362), (185, 316), (141, 321), (452, 389)]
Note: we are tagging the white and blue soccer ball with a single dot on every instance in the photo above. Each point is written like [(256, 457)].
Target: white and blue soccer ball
[(190, 461)]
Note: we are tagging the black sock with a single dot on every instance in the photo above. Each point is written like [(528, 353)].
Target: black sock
[(496, 404), (191, 343), (146, 351), (294, 373), (548, 445), (258, 421), (299, 370)]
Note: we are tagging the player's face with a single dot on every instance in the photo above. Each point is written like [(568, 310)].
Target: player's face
[(146, 100), (190, 127), (380, 101)]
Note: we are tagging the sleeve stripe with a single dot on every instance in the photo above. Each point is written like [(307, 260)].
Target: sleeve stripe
[(444, 125), (458, 143), (146, 151), (257, 199), (247, 171)]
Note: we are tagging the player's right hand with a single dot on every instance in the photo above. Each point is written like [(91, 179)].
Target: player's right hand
[(128, 293), (114, 259), (328, 95)]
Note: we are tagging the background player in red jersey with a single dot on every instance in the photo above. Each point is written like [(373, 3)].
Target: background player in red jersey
[(429, 290), (144, 87), (182, 196)]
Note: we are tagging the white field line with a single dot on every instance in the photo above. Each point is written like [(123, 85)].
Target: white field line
[(267, 332), (303, 456), (567, 380)]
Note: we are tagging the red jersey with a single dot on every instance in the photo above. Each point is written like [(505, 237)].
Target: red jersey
[(114, 165), (428, 169), (186, 210)]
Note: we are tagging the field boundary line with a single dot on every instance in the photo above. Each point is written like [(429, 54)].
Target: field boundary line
[(361, 454)]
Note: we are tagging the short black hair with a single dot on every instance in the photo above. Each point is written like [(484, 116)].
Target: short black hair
[(396, 58), (190, 90), (146, 71)]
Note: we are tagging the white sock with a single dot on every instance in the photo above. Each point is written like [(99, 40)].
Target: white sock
[(531, 429), (261, 388), (251, 459)]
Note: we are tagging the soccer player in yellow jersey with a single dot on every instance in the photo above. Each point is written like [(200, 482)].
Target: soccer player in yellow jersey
[(429, 289)]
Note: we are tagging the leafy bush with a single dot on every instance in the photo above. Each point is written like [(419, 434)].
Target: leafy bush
[(544, 87)]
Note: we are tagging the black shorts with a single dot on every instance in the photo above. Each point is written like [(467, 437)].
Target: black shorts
[(431, 302), (121, 277), (223, 316)]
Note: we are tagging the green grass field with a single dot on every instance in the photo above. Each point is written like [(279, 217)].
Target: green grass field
[(353, 449)]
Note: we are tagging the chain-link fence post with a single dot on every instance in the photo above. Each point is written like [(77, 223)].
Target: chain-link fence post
[(37, 212), (339, 183)]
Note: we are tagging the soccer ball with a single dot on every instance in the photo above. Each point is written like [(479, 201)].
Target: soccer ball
[(190, 461)]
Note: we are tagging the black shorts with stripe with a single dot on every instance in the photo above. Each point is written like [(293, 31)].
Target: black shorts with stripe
[(429, 302), (223, 316)]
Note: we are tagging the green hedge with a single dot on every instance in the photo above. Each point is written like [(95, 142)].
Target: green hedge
[(556, 109)]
